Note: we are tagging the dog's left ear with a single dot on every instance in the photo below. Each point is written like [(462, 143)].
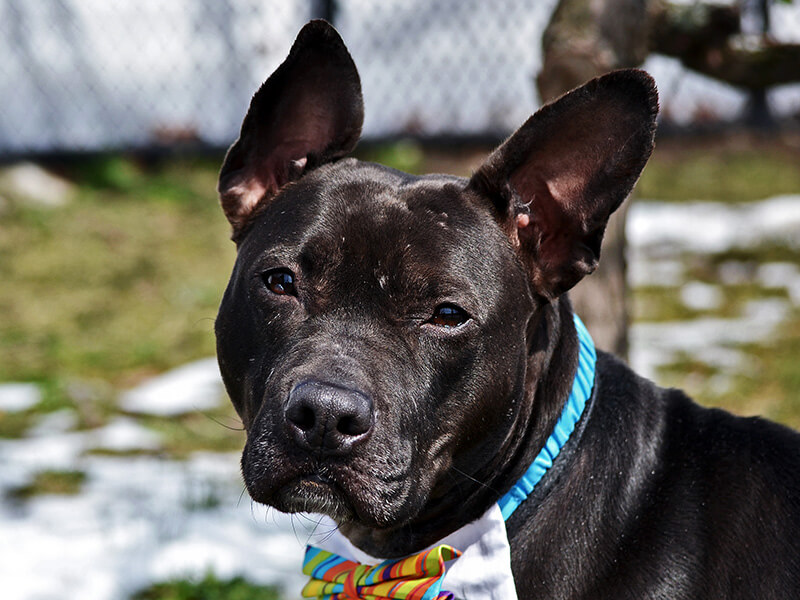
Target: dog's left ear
[(554, 183), (307, 113)]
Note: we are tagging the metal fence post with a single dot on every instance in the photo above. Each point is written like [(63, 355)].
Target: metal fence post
[(324, 9)]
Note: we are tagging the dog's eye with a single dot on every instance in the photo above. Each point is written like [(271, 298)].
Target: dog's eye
[(280, 282), (448, 315)]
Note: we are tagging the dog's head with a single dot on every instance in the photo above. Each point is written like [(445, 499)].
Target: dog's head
[(376, 333)]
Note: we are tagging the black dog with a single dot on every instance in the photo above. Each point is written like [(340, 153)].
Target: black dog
[(399, 348)]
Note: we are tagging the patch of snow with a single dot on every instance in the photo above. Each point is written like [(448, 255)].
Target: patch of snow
[(707, 227), (123, 434), (50, 445), (777, 275), (30, 183), (793, 289), (663, 272), (223, 545), (707, 339), (766, 311), (720, 384), (142, 519), (60, 421), (16, 397), (733, 272), (135, 522), (60, 451), (781, 275), (192, 387), (697, 295)]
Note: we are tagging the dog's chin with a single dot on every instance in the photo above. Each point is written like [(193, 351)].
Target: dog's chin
[(314, 494)]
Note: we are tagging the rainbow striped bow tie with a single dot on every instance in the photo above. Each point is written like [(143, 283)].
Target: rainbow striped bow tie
[(417, 577)]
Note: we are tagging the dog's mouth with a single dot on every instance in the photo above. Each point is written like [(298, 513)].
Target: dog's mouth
[(378, 484), (315, 492), (345, 492)]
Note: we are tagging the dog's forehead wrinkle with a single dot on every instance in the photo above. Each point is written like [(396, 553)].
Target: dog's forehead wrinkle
[(392, 250)]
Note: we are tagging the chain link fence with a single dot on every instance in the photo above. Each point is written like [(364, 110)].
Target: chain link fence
[(93, 75)]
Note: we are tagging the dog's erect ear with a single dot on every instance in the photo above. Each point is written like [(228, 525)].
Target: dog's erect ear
[(307, 113), (554, 183)]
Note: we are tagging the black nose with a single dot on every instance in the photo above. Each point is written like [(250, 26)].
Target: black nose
[(328, 418)]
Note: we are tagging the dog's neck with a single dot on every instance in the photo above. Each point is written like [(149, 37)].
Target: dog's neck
[(460, 499)]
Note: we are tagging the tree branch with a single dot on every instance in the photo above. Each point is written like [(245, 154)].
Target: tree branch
[(704, 38)]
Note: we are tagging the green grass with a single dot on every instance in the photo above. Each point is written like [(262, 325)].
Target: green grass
[(403, 155), (769, 387), (738, 169), (50, 482), (687, 366), (773, 390), (681, 171), (208, 588), (661, 304), (15, 424), (759, 255), (122, 283)]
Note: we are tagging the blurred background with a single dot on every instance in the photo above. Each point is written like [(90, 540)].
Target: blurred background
[(118, 449)]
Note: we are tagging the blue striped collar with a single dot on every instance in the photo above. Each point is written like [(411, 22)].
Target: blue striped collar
[(573, 409)]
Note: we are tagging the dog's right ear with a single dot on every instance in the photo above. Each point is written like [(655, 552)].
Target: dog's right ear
[(307, 113), (554, 183)]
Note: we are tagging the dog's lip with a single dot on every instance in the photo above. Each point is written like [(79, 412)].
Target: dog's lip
[(316, 481), (316, 493), (316, 478)]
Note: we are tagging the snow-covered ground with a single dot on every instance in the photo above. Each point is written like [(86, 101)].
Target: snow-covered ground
[(140, 519), (137, 520), (168, 394), (661, 233)]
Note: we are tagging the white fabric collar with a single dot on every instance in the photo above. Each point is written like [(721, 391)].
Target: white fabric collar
[(482, 572)]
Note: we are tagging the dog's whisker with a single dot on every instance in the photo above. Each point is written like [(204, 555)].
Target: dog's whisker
[(471, 478), (294, 528), (328, 535), (253, 511), (201, 319), (313, 529), (221, 424), (241, 495)]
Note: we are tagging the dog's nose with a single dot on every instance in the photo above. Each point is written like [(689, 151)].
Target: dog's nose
[(328, 418)]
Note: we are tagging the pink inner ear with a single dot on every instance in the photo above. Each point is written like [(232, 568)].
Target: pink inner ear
[(550, 191), (240, 197), (260, 181), (285, 163), (299, 164)]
